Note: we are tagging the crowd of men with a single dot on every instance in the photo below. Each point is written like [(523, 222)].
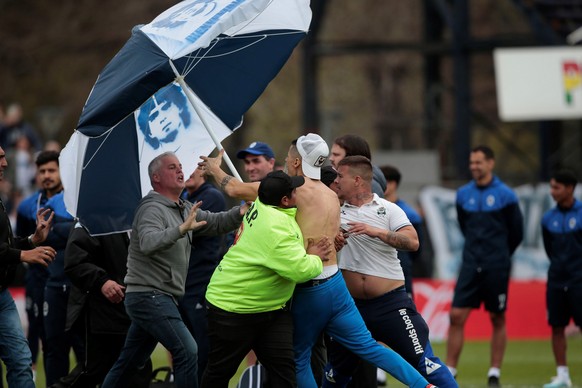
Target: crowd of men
[(311, 272)]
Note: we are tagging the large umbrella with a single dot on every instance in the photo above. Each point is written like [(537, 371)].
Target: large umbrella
[(181, 83)]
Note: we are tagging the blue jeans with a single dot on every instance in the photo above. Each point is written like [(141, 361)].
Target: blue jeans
[(154, 318), (14, 350), (329, 307)]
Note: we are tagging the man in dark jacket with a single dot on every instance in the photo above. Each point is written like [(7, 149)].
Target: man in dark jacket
[(96, 267), (491, 221), (13, 345), (58, 342), (49, 180), (205, 255), (562, 234)]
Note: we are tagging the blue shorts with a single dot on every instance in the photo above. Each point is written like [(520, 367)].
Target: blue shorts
[(564, 304), (488, 286)]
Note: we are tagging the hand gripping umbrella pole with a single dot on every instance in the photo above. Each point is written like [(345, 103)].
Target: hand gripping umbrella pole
[(186, 88)]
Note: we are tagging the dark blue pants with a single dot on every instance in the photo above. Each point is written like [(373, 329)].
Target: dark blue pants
[(193, 312), (58, 341), (392, 319)]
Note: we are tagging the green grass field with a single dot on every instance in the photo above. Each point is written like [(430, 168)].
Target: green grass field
[(526, 364)]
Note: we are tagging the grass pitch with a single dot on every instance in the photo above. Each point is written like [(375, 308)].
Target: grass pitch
[(526, 364)]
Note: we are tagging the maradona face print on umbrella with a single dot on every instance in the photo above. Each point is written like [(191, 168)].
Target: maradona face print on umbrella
[(181, 83)]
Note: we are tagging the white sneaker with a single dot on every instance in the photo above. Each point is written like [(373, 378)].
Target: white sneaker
[(558, 382)]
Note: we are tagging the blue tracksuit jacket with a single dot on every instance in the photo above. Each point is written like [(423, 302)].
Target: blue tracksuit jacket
[(492, 223)]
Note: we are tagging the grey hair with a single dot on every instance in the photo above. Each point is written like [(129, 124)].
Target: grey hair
[(156, 163)]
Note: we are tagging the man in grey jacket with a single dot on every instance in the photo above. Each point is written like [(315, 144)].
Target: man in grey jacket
[(157, 265)]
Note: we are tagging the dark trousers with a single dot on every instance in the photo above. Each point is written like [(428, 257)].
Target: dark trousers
[(34, 312), (319, 358), (393, 319), (232, 336), (58, 341), (102, 352), (193, 314), (365, 376)]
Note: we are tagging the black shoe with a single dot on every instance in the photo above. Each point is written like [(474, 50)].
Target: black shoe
[(493, 381)]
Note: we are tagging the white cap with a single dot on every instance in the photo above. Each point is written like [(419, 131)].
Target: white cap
[(314, 152)]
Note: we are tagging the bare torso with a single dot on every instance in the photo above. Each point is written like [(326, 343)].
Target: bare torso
[(318, 213), (368, 286)]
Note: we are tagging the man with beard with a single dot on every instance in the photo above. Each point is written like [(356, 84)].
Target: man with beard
[(14, 349), (491, 221), (56, 352)]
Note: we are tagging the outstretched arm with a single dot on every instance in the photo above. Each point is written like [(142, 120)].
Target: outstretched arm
[(230, 185)]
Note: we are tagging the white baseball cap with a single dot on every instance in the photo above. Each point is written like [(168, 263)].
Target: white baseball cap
[(314, 152)]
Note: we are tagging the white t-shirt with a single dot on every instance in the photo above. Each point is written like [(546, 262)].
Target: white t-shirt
[(370, 255)]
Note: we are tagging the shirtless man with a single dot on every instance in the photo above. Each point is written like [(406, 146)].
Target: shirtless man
[(325, 300)]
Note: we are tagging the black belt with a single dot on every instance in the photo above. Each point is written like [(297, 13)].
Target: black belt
[(316, 282)]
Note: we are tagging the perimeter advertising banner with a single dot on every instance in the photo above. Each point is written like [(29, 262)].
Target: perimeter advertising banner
[(525, 319), (542, 83)]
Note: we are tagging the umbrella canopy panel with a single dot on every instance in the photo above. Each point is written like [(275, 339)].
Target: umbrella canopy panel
[(226, 52)]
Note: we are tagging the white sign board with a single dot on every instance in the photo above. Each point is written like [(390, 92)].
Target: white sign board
[(539, 83)]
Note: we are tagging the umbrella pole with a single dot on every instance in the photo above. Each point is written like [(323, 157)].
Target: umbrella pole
[(219, 146)]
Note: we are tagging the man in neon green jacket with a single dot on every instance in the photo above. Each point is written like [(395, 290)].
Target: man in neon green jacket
[(249, 292)]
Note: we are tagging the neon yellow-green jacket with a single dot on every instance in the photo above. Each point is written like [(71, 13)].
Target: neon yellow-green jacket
[(267, 259)]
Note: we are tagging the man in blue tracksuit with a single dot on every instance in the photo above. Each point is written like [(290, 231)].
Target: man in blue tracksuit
[(393, 177), (562, 234), (58, 341), (47, 310), (491, 221), (48, 179)]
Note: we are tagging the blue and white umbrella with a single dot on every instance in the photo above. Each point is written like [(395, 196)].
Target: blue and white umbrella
[(181, 83)]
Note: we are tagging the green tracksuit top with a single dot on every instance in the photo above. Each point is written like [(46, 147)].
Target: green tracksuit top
[(260, 270)]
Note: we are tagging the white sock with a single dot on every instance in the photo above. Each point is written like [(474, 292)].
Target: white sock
[(380, 376), (453, 370), (563, 372), (494, 372)]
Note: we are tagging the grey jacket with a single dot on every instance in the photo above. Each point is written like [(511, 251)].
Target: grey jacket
[(158, 254)]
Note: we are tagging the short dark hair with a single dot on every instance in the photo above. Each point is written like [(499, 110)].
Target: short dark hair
[(361, 164), (354, 145), (391, 174), (45, 157), (487, 151), (565, 176)]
